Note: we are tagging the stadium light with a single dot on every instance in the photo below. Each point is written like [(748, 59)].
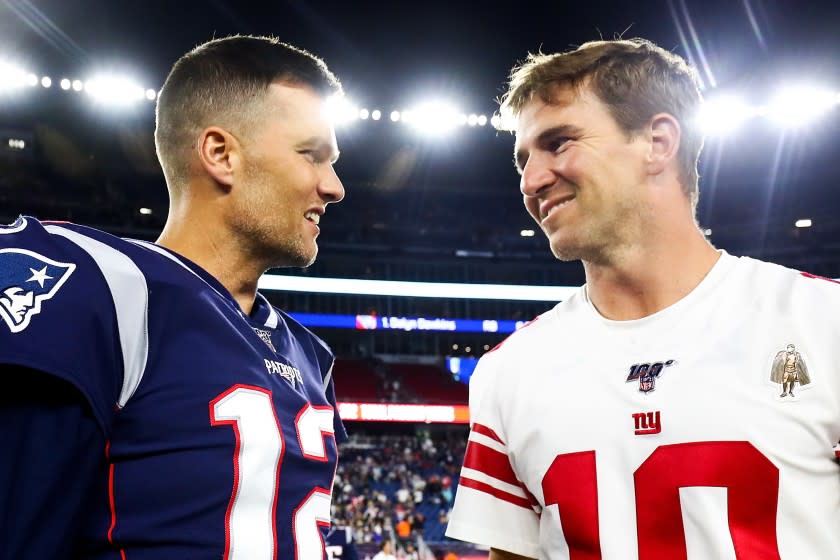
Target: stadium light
[(364, 114), (341, 110), (114, 90), (506, 121), (798, 105), (46, 82), (65, 84), (723, 114), (472, 120), (433, 118), (151, 94), (395, 116), (527, 233), (11, 76), (376, 114), (482, 120), (146, 211), (803, 223), (78, 85)]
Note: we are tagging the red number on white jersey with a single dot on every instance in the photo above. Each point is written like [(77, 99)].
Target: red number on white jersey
[(750, 479)]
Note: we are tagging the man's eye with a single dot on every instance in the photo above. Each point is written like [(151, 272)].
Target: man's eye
[(557, 143)]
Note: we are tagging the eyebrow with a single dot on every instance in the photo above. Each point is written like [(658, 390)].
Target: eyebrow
[(520, 157)]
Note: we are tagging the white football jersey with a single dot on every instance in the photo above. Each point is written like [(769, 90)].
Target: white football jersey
[(667, 437)]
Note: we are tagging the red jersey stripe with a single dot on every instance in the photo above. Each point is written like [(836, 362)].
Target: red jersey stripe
[(490, 462), (809, 275), (495, 492), (485, 431)]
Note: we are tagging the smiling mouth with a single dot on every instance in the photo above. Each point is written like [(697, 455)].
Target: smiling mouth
[(557, 206), (313, 217)]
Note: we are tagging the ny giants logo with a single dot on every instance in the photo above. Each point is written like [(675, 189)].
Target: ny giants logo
[(647, 374), (647, 423)]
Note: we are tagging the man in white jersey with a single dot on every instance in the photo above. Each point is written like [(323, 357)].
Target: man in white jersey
[(675, 442)]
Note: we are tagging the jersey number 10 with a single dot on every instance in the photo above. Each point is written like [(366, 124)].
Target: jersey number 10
[(751, 480), (250, 520)]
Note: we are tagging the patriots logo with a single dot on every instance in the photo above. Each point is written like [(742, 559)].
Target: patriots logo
[(28, 279)]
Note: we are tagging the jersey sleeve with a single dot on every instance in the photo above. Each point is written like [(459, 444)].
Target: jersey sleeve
[(492, 507), (73, 307), (53, 450)]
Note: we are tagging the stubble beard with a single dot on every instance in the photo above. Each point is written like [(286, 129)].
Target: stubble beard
[(601, 243), (271, 239)]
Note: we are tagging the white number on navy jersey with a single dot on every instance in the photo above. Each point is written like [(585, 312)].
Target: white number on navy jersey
[(250, 519)]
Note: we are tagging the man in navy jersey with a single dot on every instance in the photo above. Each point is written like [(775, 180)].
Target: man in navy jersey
[(155, 406)]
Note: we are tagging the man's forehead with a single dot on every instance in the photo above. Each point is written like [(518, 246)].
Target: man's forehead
[(302, 109), (548, 111), (295, 99)]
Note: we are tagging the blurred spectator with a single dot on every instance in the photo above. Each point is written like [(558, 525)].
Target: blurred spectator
[(381, 487), (385, 552)]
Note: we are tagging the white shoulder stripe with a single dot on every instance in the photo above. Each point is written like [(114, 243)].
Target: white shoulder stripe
[(15, 227), (130, 294), (328, 377)]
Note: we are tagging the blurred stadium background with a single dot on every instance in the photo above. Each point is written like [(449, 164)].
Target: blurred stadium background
[(432, 208)]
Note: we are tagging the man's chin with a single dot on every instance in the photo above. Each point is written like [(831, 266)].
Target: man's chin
[(295, 260), (304, 260), (564, 251)]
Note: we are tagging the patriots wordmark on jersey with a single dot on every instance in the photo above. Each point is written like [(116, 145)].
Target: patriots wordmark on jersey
[(221, 426), (707, 430)]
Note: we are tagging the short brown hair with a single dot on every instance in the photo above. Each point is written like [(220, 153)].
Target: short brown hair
[(634, 78), (222, 82)]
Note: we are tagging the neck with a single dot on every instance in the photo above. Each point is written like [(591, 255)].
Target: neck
[(647, 278), (203, 239)]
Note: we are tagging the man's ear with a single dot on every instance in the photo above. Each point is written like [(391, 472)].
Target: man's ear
[(665, 142), (218, 154)]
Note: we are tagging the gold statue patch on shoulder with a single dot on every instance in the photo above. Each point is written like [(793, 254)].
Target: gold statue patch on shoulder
[(789, 370)]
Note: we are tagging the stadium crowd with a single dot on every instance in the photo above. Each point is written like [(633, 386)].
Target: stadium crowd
[(398, 488)]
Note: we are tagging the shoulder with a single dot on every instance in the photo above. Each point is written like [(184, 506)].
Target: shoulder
[(81, 269), (79, 247), (769, 279), (309, 341), (62, 284), (536, 333)]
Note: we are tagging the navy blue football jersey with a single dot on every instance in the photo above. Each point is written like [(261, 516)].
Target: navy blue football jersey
[(221, 426), (340, 544)]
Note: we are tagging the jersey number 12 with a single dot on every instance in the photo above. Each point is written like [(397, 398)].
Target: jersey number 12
[(250, 520)]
